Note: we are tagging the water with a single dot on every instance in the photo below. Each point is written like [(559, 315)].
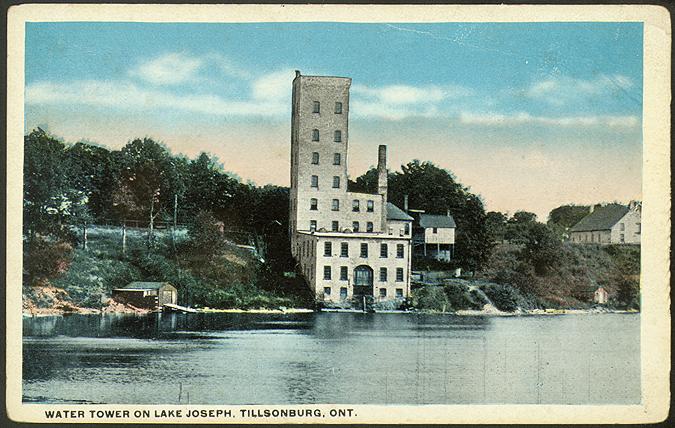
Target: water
[(341, 358)]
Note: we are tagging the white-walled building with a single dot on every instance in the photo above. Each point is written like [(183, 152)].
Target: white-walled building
[(434, 236), (609, 224), (347, 244)]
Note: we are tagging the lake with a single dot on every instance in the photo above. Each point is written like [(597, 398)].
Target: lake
[(347, 358)]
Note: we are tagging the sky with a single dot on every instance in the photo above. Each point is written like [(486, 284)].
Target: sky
[(530, 116)]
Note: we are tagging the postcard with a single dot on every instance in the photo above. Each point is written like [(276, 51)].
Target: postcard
[(338, 214)]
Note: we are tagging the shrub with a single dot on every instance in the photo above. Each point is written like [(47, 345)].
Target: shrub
[(45, 260), (458, 296), (431, 297), (504, 297)]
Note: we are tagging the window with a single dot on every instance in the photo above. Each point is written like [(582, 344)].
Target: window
[(370, 206), (355, 205), (326, 290), (406, 229), (343, 273), (399, 251), (334, 226), (336, 182), (326, 272), (315, 181), (315, 158), (355, 226), (343, 293), (391, 230), (316, 107), (384, 251), (338, 108), (337, 136), (435, 230), (344, 249), (337, 159), (639, 228), (315, 135), (312, 225), (399, 293), (369, 226), (313, 204), (383, 274), (364, 250), (383, 292), (399, 274), (622, 227), (327, 249), (336, 205), (622, 238)]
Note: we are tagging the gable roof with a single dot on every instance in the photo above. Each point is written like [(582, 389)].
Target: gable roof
[(395, 213), (602, 218), (438, 221), (141, 285)]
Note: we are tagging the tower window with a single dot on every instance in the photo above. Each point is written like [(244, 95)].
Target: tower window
[(355, 205), (337, 159), (326, 275), (384, 251), (315, 135), (335, 226), (338, 108), (316, 107), (399, 251), (327, 249), (370, 206), (344, 249), (313, 204), (336, 205), (315, 181), (364, 250), (383, 274), (355, 226), (312, 225), (369, 226), (315, 158), (337, 136), (336, 182), (399, 274)]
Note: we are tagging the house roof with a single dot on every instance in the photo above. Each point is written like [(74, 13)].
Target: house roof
[(602, 218), (395, 213), (438, 221), (140, 285)]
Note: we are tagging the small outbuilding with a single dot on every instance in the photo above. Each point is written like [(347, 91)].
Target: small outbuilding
[(600, 296), (151, 295)]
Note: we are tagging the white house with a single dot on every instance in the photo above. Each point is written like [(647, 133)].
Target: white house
[(609, 224), (434, 236)]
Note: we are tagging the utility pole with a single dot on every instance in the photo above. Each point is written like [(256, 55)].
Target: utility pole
[(175, 216), (124, 236)]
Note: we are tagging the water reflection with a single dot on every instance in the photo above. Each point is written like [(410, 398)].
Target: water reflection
[(331, 358)]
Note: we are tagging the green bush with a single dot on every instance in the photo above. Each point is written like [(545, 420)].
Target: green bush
[(432, 298), (504, 297)]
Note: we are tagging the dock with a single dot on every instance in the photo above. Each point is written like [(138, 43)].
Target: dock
[(170, 307)]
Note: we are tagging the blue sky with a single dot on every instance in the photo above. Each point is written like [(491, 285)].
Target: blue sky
[(530, 116)]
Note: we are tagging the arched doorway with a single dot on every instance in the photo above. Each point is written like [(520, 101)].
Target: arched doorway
[(363, 281)]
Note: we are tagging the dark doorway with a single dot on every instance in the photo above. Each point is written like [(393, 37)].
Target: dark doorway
[(363, 281)]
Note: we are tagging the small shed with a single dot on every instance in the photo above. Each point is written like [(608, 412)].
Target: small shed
[(600, 296), (146, 294)]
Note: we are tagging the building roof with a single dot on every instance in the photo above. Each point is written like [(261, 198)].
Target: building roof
[(602, 218), (438, 221), (140, 285), (395, 213)]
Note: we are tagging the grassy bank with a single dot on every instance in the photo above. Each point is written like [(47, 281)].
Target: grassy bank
[(229, 277), (511, 283)]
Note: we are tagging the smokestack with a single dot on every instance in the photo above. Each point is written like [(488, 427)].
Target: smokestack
[(405, 203), (297, 73), (382, 171), (448, 212)]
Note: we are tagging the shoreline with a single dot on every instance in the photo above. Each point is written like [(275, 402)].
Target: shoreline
[(47, 312)]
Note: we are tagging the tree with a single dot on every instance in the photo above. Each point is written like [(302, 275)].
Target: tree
[(568, 215), (518, 226), (496, 225), (542, 249)]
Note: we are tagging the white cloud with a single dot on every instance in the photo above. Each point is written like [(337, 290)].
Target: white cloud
[(497, 119), (562, 90), (274, 86), (169, 69), (129, 96), (396, 102)]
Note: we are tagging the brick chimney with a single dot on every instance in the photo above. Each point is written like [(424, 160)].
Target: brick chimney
[(382, 182), (405, 203)]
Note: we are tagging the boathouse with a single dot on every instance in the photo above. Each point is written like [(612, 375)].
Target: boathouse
[(146, 294)]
